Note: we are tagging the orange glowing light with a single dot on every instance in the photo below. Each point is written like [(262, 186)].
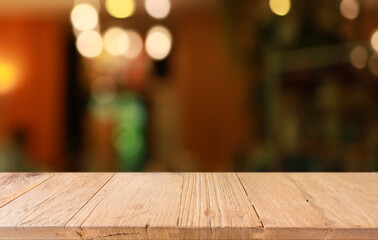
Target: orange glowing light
[(8, 77)]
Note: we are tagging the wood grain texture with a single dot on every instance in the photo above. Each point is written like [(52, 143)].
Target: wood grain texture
[(133, 206), (43, 211), (366, 182), (349, 213), (283, 209), (13, 185), (217, 207), (188, 206)]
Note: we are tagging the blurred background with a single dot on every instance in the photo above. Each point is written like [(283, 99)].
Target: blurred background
[(181, 85)]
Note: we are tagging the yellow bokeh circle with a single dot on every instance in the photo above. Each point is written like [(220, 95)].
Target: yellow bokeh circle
[(120, 8)]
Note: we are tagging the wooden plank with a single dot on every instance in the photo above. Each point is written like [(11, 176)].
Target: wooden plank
[(366, 182), (215, 206), (13, 185), (189, 206), (283, 209), (43, 212), (132, 206), (349, 213)]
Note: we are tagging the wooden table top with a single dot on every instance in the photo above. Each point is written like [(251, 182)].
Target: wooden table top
[(188, 206)]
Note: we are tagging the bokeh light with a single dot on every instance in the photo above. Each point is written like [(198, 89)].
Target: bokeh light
[(349, 9), (103, 90), (158, 8), (359, 57), (280, 7), (158, 42), (374, 41), (84, 17), (120, 8), (89, 44), (373, 64), (77, 32), (116, 41), (136, 45), (8, 77)]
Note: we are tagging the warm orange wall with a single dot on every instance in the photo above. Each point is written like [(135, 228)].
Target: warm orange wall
[(36, 46), (212, 93)]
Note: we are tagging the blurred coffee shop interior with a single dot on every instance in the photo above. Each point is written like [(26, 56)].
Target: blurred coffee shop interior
[(181, 85)]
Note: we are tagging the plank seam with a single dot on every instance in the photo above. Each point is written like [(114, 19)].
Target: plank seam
[(251, 207), (80, 235), (102, 186), (327, 233), (28, 190), (307, 196), (182, 190), (97, 203), (208, 200), (146, 228), (249, 200)]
